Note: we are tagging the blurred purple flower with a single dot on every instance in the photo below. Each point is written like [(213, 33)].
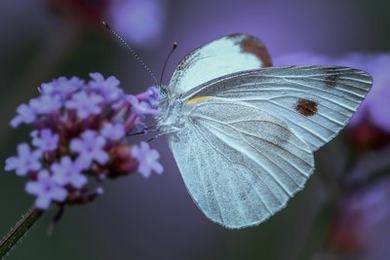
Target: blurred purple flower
[(90, 147), (113, 132), (85, 104), (140, 107), (147, 159), (25, 115), (68, 172), (359, 215), (45, 140), (46, 104), (62, 86), (46, 190), (151, 96), (95, 145), (109, 87), (26, 161), (139, 21)]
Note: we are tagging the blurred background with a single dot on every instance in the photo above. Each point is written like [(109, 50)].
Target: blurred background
[(343, 213)]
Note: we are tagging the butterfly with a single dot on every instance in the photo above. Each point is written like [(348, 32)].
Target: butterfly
[(243, 133)]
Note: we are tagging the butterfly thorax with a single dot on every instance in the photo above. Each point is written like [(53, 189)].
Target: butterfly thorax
[(169, 117)]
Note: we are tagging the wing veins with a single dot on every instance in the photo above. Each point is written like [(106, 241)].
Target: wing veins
[(259, 195)]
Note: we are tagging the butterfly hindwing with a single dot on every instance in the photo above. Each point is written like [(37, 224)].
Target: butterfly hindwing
[(229, 54), (240, 164)]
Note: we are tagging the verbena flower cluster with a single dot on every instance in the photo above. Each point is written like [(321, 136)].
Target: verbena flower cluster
[(80, 138)]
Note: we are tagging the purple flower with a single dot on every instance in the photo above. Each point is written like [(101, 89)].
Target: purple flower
[(61, 86), (113, 132), (46, 104), (140, 22), (140, 107), (46, 190), (359, 215), (85, 104), (45, 140), (79, 131), (150, 96), (147, 159), (25, 115), (108, 87), (90, 147), (68, 172), (26, 161)]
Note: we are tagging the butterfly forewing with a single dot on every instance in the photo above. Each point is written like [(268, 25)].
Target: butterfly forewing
[(316, 102), (229, 54)]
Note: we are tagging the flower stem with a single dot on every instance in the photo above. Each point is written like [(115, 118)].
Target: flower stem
[(19, 230)]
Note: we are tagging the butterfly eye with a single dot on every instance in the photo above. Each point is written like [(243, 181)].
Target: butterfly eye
[(163, 92)]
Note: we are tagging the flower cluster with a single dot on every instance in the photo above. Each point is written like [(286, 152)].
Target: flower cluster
[(81, 134)]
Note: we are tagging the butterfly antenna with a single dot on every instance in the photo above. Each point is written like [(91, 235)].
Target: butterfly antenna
[(174, 46), (127, 46)]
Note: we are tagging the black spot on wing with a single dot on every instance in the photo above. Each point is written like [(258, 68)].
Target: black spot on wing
[(332, 77), (306, 107)]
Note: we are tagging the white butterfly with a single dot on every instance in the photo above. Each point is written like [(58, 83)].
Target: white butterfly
[(243, 135)]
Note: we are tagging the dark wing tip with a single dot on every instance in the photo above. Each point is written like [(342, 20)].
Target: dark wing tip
[(253, 45)]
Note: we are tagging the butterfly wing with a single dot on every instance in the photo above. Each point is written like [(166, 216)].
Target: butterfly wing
[(229, 54), (316, 102), (240, 164)]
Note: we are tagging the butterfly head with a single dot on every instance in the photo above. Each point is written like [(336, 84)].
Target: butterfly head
[(169, 110)]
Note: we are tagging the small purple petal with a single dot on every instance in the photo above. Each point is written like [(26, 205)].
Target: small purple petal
[(113, 132), (109, 87), (61, 86), (26, 161), (46, 190), (11, 164), (25, 115), (90, 147), (46, 104), (147, 159), (85, 104), (45, 140), (150, 96), (140, 107), (68, 172)]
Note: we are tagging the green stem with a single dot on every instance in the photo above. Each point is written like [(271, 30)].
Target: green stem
[(18, 231)]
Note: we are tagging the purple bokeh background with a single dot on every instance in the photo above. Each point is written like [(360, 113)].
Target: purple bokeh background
[(156, 218)]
